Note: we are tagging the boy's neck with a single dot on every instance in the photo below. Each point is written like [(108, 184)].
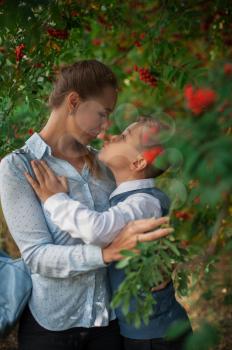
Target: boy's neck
[(126, 176)]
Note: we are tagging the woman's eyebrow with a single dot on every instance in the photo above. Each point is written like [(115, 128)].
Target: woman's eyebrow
[(108, 109)]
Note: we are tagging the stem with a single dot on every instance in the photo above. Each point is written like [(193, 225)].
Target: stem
[(216, 232)]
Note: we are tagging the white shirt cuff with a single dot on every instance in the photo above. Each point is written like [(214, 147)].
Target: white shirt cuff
[(52, 201)]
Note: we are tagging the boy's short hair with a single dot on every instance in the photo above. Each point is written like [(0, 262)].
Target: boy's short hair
[(151, 140)]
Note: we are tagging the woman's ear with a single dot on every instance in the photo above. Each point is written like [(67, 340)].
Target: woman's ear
[(73, 101)]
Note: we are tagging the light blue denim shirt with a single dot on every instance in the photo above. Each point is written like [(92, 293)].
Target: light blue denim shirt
[(70, 285)]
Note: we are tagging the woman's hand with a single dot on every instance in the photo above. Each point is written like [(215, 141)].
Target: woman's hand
[(47, 183), (134, 232)]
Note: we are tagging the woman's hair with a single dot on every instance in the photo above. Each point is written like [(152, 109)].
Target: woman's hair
[(88, 78)]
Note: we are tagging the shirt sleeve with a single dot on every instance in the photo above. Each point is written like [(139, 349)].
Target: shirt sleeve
[(27, 224), (99, 228)]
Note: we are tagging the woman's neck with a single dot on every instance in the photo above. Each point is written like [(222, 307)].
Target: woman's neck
[(62, 143)]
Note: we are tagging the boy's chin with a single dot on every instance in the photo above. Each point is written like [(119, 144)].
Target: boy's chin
[(101, 157)]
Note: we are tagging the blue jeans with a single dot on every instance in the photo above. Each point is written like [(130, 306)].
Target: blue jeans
[(156, 343)]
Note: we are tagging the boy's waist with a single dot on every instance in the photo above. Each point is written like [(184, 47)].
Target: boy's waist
[(118, 275)]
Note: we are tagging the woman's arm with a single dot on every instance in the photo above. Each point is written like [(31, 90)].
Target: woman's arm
[(144, 230), (27, 224)]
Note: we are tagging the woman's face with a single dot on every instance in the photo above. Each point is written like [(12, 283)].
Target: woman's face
[(91, 116)]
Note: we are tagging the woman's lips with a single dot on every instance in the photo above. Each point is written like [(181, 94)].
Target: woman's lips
[(95, 131)]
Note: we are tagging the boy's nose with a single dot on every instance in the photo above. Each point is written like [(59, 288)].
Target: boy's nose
[(106, 142)]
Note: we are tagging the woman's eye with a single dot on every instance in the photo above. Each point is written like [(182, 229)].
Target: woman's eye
[(103, 115)]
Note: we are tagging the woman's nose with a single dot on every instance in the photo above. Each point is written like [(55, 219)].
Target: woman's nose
[(114, 138)]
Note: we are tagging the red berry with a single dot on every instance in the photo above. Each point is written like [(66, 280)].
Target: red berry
[(151, 154), (97, 41), (19, 52), (197, 200), (183, 215), (146, 76), (74, 13), (31, 131), (199, 99), (228, 68), (58, 33), (137, 43)]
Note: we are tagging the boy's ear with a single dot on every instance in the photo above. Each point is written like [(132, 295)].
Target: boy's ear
[(138, 164)]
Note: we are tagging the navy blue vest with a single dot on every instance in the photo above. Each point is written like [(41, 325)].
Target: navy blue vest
[(167, 309)]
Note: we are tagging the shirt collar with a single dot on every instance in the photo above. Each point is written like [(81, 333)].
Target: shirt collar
[(133, 185), (38, 146)]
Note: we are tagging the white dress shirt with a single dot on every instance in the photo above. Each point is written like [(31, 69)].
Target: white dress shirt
[(100, 228)]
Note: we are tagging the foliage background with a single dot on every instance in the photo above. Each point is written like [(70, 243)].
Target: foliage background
[(176, 43)]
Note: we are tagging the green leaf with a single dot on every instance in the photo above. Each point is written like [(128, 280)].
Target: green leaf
[(172, 246), (177, 329), (205, 338), (123, 263)]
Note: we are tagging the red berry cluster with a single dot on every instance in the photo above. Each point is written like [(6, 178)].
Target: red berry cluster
[(138, 38), (97, 41), (228, 68), (58, 33), (151, 154), (19, 52), (183, 215), (184, 243), (102, 20), (38, 65), (31, 131), (75, 13), (146, 76), (199, 99)]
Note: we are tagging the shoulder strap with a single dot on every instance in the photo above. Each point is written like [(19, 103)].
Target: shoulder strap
[(154, 191)]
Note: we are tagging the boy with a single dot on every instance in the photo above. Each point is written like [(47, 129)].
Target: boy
[(129, 156)]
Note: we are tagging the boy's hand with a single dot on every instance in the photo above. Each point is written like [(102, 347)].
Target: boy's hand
[(47, 183)]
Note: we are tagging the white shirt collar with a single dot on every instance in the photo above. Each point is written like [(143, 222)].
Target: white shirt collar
[(133, 185)]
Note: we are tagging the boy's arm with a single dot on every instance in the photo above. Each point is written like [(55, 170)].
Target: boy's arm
[(94, 227), (77, 219)]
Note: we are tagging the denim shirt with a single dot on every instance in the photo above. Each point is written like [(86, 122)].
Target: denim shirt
[(70, 284)]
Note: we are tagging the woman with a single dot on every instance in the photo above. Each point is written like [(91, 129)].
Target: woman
[(69, 305)]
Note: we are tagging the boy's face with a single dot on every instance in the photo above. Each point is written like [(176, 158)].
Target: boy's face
[(121, 151)]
